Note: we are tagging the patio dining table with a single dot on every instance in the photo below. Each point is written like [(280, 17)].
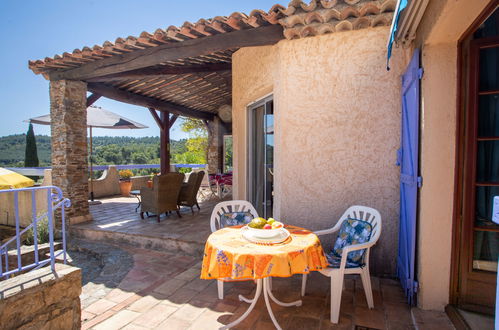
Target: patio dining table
[(230, 255)]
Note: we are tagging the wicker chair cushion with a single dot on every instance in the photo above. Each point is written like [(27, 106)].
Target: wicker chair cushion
[(352, 231), (235, 218)]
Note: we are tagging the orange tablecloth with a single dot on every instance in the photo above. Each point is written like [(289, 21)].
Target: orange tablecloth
[(228, 255)]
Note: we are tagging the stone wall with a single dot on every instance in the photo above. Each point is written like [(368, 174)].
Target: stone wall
[(68, 113), (107, 184), (41, 299), (216, 133)]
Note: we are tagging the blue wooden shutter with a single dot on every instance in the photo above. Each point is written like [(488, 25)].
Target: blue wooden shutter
[(407, 159)]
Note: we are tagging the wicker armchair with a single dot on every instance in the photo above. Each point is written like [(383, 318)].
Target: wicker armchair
[(189, 191), (163, 196)]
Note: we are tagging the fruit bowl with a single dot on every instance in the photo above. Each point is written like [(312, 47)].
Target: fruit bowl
[(264, 233)]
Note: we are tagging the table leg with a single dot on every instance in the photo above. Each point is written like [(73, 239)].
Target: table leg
[(267, 292), (253, 303), (140, 202)]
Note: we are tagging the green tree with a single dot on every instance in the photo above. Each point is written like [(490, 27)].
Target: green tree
[(197, 144), (31, 154)]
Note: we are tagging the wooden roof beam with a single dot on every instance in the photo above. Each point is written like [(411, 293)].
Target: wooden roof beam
[(92, 99), (152, 72), (266, 35), (148, 102)]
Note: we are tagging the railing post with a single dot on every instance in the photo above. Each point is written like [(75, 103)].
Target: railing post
[(50, 214), (18, 235), (35, 225)]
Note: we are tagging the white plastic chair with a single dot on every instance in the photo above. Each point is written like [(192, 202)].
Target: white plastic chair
[(227, 207), (337, 274)]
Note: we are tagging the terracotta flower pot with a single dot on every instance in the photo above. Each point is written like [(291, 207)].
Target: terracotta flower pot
[(125, 187), (149, 184)]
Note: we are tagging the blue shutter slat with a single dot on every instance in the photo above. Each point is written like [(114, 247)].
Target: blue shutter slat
[(407, 159)]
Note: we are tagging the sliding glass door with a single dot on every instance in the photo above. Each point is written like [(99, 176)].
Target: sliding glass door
[(261, 156)]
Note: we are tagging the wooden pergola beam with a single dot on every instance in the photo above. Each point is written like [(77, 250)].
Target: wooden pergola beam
[(173, 119), (155, 71), (92, 98), (266, 35), (148, 102), (156, 118)]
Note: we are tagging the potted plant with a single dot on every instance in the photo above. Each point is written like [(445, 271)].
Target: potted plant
[(125, 182)]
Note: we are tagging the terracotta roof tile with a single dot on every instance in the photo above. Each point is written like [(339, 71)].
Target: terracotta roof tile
[(299, 19), (321, 16)]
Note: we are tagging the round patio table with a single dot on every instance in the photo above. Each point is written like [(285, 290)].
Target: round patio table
[(228, 255)]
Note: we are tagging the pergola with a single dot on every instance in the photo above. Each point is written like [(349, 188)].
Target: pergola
[(179, 71)]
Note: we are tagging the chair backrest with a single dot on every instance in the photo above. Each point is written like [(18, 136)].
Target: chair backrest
[(200, 179), (227, 207), (167, 188), (364, 213)]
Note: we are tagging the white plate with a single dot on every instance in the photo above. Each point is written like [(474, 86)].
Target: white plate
[(280, 237)]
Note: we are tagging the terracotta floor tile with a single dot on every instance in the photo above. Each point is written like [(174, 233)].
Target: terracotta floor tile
[(132, 326), (155, 316), (209, 319), (430, 320), (371, 318), (144, 304), (86, 316), (198, 284), (100, 306), (172, 323), (397, 314), (118, 295), (170, 286), (345, 323), (188, 312), (118, 320), (302, 323)]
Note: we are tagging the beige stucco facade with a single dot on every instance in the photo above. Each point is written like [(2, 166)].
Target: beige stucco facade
[(442, 26), (337, 128)]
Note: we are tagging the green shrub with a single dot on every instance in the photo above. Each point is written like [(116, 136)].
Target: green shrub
[(42, 232)]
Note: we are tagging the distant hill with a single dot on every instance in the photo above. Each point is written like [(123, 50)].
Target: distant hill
[(107, 150), (12, 149)]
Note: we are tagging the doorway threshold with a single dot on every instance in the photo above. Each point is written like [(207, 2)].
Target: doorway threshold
[(463, 319)]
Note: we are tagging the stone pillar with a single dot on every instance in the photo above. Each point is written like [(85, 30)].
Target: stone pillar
[(214, 158), (68, 113)]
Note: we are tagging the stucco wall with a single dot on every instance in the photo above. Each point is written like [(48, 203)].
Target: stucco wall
[(443, 24), (253, 71), (337, 128)]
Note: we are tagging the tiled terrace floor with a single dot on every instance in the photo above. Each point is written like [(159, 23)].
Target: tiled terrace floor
[(115, 220), (163, 291)]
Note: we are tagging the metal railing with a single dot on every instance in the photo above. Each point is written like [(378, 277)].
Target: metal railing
[(55, 201), (39, 171)]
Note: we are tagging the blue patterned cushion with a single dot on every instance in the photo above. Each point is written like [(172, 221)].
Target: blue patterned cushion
[(235, 218), (334, 262), (352, 231)]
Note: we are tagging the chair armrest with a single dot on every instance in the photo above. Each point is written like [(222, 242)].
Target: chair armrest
[(326, 231), (355, 247), (350, 248)]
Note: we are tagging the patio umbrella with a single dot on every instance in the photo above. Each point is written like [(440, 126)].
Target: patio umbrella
[(100, 118), (10, 180)]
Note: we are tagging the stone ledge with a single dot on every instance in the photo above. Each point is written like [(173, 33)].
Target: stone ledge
[(42, 299)]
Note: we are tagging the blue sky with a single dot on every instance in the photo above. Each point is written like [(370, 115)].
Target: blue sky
[(34, 29)]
